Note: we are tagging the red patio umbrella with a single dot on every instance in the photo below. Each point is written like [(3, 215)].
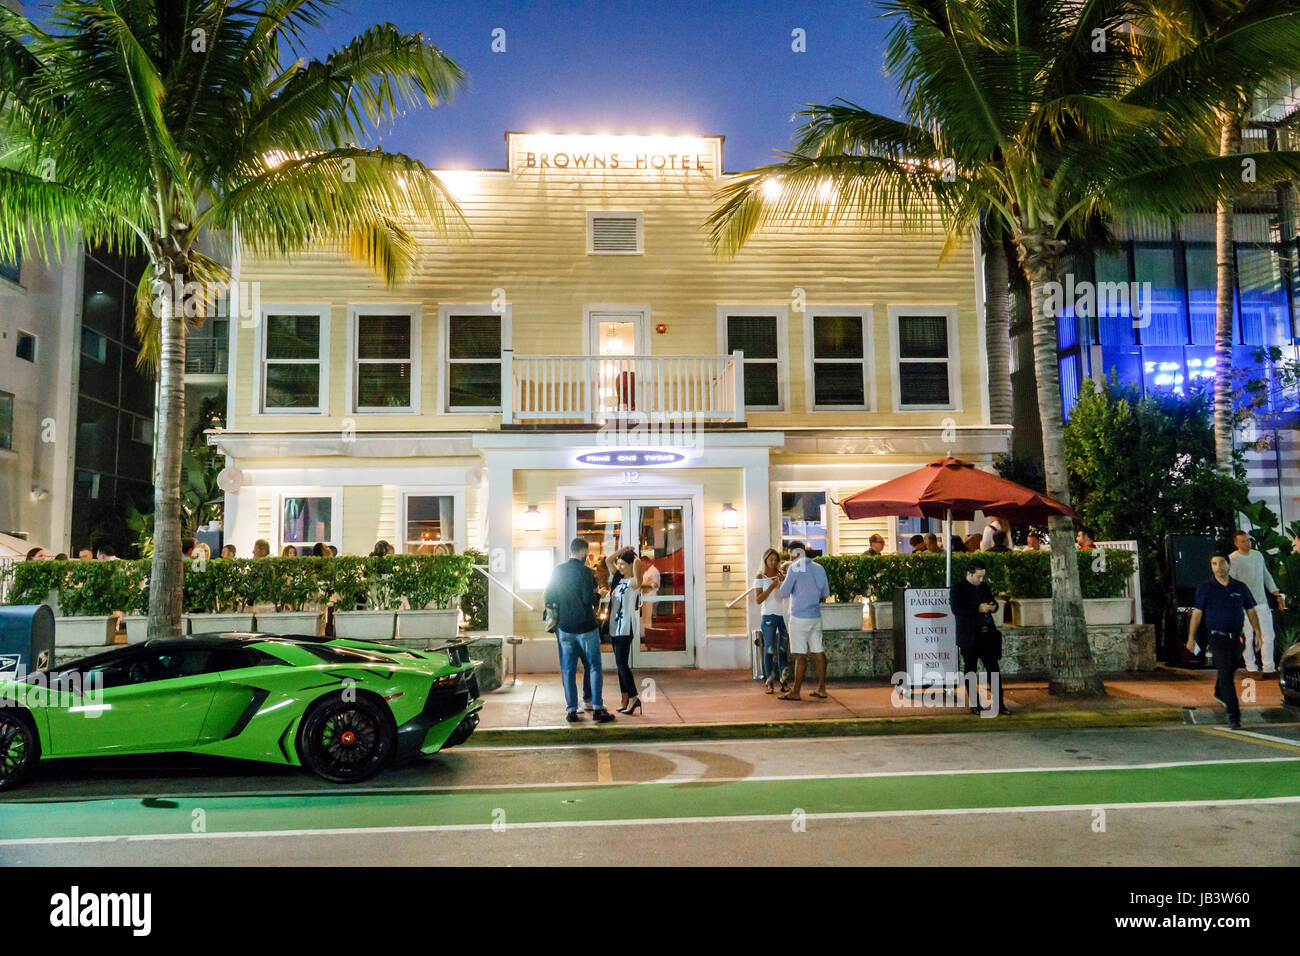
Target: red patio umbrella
[(953, 488)]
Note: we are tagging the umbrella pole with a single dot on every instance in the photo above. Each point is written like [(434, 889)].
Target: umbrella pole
[(947, 547)]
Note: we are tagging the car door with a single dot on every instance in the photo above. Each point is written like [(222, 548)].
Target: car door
[(153, 699)]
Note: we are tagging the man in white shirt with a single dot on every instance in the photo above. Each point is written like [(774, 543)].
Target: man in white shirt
[(1249, 567)]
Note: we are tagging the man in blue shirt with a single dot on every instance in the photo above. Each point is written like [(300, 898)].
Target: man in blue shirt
[(1224, 603), (806, 586)]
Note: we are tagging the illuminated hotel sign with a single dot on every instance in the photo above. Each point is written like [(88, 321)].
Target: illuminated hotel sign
[(630, 459), (676, 162)]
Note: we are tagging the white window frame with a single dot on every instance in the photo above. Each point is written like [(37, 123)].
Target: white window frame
[(865, 313), (591, 232), (415, 314), (782, 314), (506, 316), (459, 521), (335, 493), (321, 312), (953, 360), (832, 511)]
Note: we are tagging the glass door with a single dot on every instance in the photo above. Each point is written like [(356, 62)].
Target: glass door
[(660, 533), (663, 542), (616, 337)]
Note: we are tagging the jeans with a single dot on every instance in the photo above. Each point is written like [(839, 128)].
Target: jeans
[(774, 633), (1225, 649), (622, 657), (584, 646)]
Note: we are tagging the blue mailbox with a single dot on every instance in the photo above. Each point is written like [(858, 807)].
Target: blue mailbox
[(26, 639)]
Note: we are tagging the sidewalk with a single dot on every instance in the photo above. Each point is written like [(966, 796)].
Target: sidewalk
[(698, 703)]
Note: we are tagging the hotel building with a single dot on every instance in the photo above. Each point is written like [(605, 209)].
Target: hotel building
[(584, 364)]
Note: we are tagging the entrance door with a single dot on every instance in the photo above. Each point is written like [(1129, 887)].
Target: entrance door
[(660, 532), (617, 336)]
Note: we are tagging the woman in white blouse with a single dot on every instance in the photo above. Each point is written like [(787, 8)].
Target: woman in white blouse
[(772, 619), (625, 623)]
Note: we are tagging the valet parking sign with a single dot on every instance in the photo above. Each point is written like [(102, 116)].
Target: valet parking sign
[(929, 637)]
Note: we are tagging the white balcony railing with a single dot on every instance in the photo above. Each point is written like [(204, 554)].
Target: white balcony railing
[(596, 388)]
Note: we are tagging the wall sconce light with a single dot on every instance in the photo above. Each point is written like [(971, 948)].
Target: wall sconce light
[(730, 516), (532, 519)]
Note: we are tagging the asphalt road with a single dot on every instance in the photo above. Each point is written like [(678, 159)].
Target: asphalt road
[(1136, 796)]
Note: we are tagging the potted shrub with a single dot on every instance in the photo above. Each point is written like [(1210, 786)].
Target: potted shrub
[(89, 593), (1102, 577), (136, 601), (432, 586), (295, 588), (211, 590), (366, 606), (841, 612), (1029, 579)]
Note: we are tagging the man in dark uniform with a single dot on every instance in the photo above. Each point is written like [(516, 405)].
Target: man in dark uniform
[(1224, 602), (978, 638)]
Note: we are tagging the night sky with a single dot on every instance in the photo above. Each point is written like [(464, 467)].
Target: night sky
[(627, 66)]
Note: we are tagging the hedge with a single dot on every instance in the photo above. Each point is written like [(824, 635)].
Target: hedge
[(1022, 574), (226, 584)]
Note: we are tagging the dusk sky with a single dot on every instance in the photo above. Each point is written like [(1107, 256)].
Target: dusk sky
[(627, 66), (631, 66)]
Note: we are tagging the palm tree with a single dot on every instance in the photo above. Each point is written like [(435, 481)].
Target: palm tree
[(1177, 26), (1044, 117), (155, 124)]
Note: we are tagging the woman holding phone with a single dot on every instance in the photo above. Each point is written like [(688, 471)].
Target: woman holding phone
[(625, 623), (772, 619)]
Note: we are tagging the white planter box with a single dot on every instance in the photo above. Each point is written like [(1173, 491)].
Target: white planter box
[(310, 623), (137, 628), (218, 623), (1037, 612), (84, 631), (1032, 612), (842, 617), (882, 615), (1108, 610), (365, 625), (426, 625)]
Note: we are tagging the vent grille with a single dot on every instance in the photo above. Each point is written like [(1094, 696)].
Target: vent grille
[(614, 233)]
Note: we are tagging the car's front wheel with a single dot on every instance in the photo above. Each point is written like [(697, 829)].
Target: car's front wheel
[(345, 741), (20, 747)]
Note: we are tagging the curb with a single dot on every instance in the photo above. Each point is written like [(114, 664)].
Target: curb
[(836, 727)]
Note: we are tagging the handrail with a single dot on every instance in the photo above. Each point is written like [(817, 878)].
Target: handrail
[(502, 585), (742, 596)]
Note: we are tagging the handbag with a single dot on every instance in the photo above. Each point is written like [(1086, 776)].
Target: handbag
[(551, 618)]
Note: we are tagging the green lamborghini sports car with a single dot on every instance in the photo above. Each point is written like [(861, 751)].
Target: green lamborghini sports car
[(342, 709)]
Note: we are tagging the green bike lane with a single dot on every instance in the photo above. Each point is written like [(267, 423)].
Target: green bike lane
[(1263, 780)]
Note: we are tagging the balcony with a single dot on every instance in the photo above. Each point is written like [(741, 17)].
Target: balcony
[(593, 389), (206, 355)]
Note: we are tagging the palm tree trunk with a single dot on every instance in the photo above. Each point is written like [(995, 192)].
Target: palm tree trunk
[(1073, 671), (997, 330), (166, 567), (1226, 279)]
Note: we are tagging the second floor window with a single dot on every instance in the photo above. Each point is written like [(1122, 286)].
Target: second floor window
[(474, 344), (924, 359), (840, 359), (26, 349), (294, 361), (386, 372), (759, 337)]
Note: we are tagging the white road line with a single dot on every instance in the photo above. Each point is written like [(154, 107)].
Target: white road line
[(678, 776), (652, 821)]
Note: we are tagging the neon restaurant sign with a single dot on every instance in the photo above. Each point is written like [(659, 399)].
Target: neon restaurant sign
[(630, 459)]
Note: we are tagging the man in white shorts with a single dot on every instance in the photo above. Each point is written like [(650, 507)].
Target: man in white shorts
[(806, 586)]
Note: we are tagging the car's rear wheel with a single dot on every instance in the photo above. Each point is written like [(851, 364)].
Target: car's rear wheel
[(345, 741), (20, 748)]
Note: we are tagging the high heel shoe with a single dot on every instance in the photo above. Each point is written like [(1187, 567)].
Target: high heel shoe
[(633, 706)]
